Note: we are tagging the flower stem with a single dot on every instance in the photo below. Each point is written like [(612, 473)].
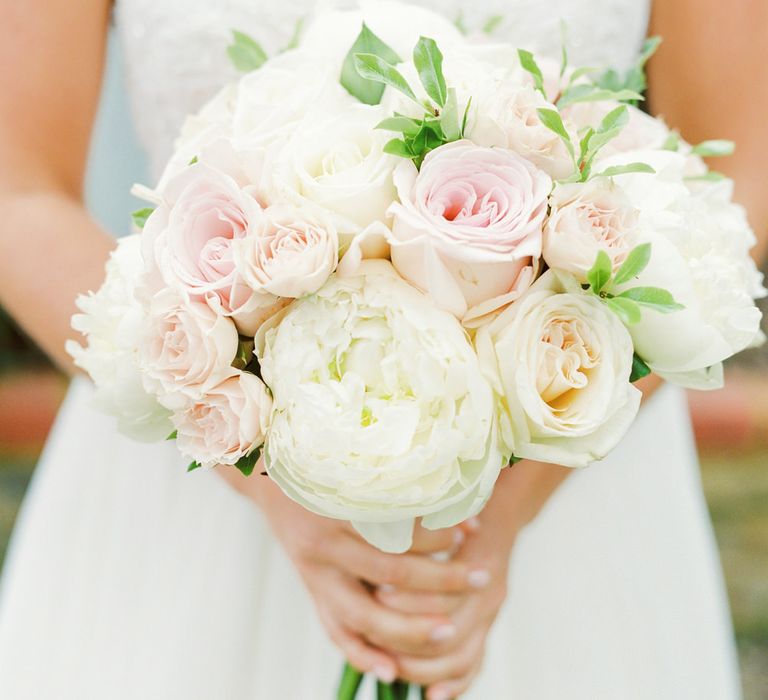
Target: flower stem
[(351, 679)]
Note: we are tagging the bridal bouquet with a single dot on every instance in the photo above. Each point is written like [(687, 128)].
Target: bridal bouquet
[(395, 259)]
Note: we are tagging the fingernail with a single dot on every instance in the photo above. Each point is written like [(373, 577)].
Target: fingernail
[(479, 578), (458, 537), (439, 694), (384, 673), (473, 523), (441, 633), (386, 588)]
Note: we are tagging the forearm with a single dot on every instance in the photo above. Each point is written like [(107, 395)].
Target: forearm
[(50, 251)]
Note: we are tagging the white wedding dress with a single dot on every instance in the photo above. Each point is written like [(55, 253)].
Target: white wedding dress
[(130, 579)]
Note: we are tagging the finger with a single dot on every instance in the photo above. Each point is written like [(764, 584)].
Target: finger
[(416, 602), (388, 629), (458, 664), (409, 571), (456, 687), (357, 652), (434, 541)]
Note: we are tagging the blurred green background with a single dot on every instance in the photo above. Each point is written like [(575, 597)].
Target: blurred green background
[(731, 424)]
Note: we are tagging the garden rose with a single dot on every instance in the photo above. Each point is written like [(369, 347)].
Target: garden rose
[(586, 218), (188, 240), (559, 362), (288, 254), (185, 346), (381, 414), (467, 226), (225, 424)]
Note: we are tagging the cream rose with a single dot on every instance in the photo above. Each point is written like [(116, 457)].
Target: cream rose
[(584, 219), (225, 424), (467, 226), (559, 362), (508, 117), (188, 241), (185, 346), (288, 254), (381, 414)]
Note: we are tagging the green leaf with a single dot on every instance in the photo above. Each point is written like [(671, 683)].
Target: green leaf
[(173, 435), (624, 169), (600, 273), (140, 216), (581, 72), (672, 142), (296, 36), (367, 91), (626, 309), (639, 368), (563, 48), (245, 52), (653, 297), (372, 67), (650, 46), (401, 123), (552, 120), (528, 63), (715, 147), (398, 147), (635, 263), (244, 355), (193, 160), (460, 24), (193, 465), (609, 128), (429, 63), (591, 93), (449, 118), (492, 23), (466, 116), (246, 464)]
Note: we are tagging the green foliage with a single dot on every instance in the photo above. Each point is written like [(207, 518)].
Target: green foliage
[(193, 465), (624, 169), (429, 64), (245, 52), (492, 23), (710, 176), (367, 91), (528, 63), (715, 147), (376, 69), (639, 368), (173, 435), (600, 273), (552, 120), (653, 297), (637, 260), (246, 464), (672, 142), (634, 79), (296, 36), (626, 309), (588, 92), (140, 216)]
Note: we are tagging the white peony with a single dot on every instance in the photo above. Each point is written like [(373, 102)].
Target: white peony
[(560, 362), (381, 413), (700, 242), (111, 320)]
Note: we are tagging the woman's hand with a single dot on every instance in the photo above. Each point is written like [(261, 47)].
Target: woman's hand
[(342, 572)]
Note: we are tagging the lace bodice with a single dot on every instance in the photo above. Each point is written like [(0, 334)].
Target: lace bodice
[(176, 58)]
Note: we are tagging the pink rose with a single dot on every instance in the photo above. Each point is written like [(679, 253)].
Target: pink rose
[(586, 218), (225, 424), (289, 254), (188, 242), (467, 228), (185, 346)]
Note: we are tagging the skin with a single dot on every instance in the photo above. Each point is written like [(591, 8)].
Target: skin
[(410, 616)]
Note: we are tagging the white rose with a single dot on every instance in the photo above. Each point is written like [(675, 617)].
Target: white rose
[(700, 242), (111, 320), (508, 117), (225, 424), (560, 363), (337, 167), (185, 346), (288, 254), (584, 219), (381, 414)]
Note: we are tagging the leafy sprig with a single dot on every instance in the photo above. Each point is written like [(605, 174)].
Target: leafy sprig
[(628, 304), (634, 79), (245, 52), (371, 66)]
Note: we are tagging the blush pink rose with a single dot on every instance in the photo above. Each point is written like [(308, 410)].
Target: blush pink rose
[(188, 241), (227, 423), (290, 254), (185, 346), (467, 227)]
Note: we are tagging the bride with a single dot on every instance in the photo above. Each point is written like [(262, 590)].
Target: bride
[(129, 578)]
